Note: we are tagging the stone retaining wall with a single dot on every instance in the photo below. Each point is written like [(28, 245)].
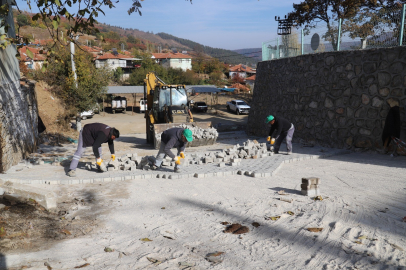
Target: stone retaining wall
[(18, 107), (335, 99)]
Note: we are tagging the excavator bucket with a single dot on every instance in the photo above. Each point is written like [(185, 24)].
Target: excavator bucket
[(199, 138)]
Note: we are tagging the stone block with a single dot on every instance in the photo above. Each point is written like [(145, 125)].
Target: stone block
[(310, 181), (23, 193), (247, 173), (311, 192), (208, 160), (222, 164), (307, 187), (240, 172)]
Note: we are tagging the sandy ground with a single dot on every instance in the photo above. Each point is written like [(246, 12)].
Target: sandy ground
[(360, 216)]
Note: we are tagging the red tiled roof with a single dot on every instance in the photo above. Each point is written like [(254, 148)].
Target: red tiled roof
[(251, 78), (112, 56), (241, 68), (35, 51), (171, 55), (90, 49), (42, 41)]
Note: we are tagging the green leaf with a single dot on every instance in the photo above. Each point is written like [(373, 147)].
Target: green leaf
[(362, 237), (43, 69), (58, 3), (30, 54), (55, 24)]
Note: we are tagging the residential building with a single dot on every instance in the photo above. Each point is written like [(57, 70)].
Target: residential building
[(251, 81), (242, 70), (114, 60), (32, 63), (173, 60)]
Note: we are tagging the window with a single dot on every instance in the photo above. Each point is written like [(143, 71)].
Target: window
[(241, 103)]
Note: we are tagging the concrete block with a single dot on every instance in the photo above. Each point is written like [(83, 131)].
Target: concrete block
[(310, 181), (222, 164), (311, 192), (199, 175), (208, 160), (308, 187), (256, 174), (23, 193)]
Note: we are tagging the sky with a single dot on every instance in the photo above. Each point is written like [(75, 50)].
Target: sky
[(226, 24)]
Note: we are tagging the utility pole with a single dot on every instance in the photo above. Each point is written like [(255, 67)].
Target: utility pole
[(72, 55)]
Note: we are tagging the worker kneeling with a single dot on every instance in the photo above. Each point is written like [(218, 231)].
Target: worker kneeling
[(94, 135), (173, 138), (280, 129)]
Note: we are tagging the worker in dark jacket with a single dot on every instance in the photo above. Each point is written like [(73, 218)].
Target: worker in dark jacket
[(280, 129), (94, 135), (173, 138)]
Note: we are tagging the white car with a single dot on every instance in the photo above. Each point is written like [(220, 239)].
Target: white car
[(238, 106), (86, 114)]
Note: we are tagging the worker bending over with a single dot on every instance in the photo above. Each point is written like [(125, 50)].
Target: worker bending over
[(173, 138), (280, 129), (94, 135)]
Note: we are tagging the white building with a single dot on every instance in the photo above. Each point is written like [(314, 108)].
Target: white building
[(115, 60), (173, 60)]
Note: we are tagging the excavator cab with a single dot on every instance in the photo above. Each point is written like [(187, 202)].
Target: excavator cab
[(167, 107)]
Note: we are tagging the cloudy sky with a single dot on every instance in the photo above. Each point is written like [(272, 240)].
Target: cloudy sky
[(227, 24)]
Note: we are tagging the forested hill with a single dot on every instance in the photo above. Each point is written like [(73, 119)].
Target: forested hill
[(223, 55), (255, 53)]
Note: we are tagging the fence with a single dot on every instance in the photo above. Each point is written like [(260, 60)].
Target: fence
[(368, 29)]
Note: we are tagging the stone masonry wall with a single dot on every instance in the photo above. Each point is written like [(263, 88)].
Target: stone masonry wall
[(18, 106), (334, 99), (18, 122)]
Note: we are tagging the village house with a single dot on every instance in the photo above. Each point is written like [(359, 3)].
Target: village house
[(116, 60), (173, 60), (241, 70), (251, 81), (37, 59)]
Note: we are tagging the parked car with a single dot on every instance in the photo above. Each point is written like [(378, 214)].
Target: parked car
[(86, 114), (238, 106), (200, 106)]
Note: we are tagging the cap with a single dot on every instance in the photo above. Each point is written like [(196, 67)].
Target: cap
[(269, 118), (188, 134)]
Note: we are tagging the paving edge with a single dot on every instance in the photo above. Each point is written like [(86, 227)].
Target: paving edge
[(170, 175)]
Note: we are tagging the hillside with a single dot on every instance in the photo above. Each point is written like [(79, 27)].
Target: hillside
[(255, 53), (115, 37), (227, 56)]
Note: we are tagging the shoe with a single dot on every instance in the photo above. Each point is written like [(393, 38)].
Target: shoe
[(290, 153), (102, 168), (71, 173), (153, 167)]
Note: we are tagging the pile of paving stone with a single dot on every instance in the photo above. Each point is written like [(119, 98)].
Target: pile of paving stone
[(231, 156), (208, 135)]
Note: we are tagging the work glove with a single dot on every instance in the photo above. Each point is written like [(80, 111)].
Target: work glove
[(99, 161), (101, 165), (268, 139), (113, 157), (182, 155), (272, 141), (177, 160)]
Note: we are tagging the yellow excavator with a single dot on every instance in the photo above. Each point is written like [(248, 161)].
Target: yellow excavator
[(167, 107)]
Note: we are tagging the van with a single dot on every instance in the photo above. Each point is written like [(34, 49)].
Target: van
[(143, 105)]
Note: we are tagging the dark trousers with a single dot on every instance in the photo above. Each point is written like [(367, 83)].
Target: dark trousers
[(288, 135)]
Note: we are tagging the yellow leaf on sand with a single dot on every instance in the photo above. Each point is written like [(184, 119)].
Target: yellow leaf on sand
[(362, 237), (145, 239), (290, 213), (314, 229)]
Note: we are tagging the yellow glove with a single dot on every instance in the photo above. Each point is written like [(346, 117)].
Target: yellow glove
[(182, 155), (268, 139), (113, 157), (177, 161), (272, 141), (99, 161)]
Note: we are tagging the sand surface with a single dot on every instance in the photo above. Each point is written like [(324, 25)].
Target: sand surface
[(364, 202)]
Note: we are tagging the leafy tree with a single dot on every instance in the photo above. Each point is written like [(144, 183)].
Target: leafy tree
[(23, 20), (91, 82), (310, 12), (118, 74), (131, 39)]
